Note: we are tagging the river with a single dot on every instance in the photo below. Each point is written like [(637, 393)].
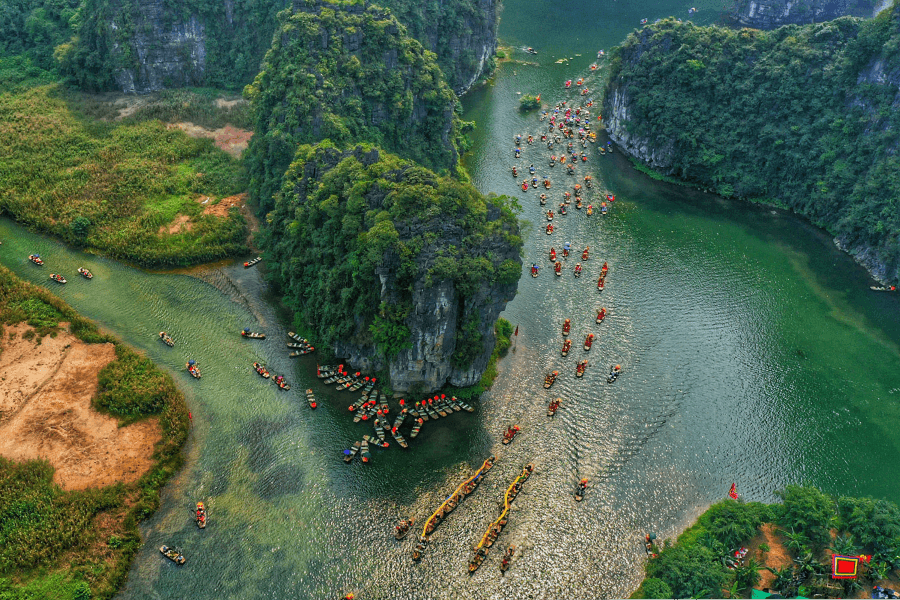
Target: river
[(753, 352)]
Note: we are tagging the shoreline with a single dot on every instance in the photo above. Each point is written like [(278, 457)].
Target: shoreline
[(101, 406)]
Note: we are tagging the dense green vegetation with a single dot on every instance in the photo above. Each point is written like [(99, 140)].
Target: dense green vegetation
[(796, 115), (115, 188), (343, 219), (695, 565), (346, 73), (79, 544), (503, 330), (449, 28)]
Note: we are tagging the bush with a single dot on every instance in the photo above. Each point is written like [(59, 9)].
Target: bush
[(690, 570), (808, 511), (527, 102), (656, 588)]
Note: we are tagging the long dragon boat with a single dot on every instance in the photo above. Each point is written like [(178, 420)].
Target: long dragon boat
[(464, 489), (493, 532)]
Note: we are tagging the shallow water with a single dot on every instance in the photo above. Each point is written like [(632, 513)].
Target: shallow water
[(753, 352)]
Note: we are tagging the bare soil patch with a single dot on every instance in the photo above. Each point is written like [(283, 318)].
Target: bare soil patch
[(181, 223), (46, 412), (777, 557), (220, 208), (229, 139)]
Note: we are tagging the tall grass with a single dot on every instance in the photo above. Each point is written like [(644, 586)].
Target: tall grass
[(56, 543), (111, 187)]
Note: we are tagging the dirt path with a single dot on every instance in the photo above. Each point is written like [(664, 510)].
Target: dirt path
[(45, 412)]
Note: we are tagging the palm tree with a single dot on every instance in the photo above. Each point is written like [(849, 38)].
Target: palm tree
[(796, 541), (785, 580), (747, 575), (844, 545)]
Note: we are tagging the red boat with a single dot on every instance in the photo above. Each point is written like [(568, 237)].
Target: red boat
[(566, 326), (604, 270), (36, 259), (549, 228), (584, 255), (558, 269), (579, 370), (588, 341), (566, 345), (601, 284), (601, 314), (552, 255)]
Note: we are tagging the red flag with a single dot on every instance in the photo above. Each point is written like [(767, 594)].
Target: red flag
[(517, 331), (732, 493)]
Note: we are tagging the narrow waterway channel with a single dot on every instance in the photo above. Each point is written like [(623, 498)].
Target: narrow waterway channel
[(753, 352)]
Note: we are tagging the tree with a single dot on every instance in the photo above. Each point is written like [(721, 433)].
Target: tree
[(80, 227), (656, 588), (808, 511)]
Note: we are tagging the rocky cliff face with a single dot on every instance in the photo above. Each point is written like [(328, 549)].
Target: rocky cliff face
[(656, 154), (424, 291), (141, 46), (462, 34), (769, 14), (149, 45)]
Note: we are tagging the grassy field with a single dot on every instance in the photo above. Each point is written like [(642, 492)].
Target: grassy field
[(116, 188), (79, 544)]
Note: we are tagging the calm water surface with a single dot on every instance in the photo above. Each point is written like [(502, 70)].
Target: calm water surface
[(753, 352)]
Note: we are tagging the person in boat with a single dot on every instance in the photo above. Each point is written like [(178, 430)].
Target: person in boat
[(584, 255), (550, 215), (558, 267), (552, 253), (578, 267), (531, 169), (515, 172), (524, 186), (534, 269), (550, 228), (566, 325)]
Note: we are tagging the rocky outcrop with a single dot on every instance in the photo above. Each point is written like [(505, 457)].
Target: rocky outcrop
[(463, 34), (347, 72), (149, 45), (656, 154), (424, 292), (769, 14), (140, 46)]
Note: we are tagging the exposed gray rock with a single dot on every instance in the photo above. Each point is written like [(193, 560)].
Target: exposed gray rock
[(769, 14)]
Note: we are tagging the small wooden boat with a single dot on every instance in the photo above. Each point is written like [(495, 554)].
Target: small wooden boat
[(530, 50), (578, 270), (510, 434), (601, 314), (358, 385), (358, 404), (85, 273), (579, 370), (250, 263), (352, 451), (336, 377), (601, 284), (297, 338), (553, 407), (310, 398), (588, 342), (552, 255), (322, 371), (398, 422), (613, 373), (379, 430), (601, 150), (464, 406), (557, 268), (193, 369), (416, 428), (431, 412), (566, 346), (280, 382), (403, 528), (549, 215), (173, 555), (580, 489), (454, 404), (297, 346), (364, 451), (881, 288), (261, 370), (167, 340), (36, 259), (550, 379), (57, 278), (566, 327), (395, 431), (369, 386), (200, 516), (578, 203), (252, 335), (507, 559), (420, 548)]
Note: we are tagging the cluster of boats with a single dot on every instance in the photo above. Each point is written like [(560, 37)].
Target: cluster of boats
[(496, 528), (299, 346), (372, 406), (57, 277)]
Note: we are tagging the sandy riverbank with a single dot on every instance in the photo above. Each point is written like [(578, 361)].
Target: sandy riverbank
[(46, 412)]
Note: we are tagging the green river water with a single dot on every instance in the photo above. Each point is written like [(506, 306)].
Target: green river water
[(753, 352)]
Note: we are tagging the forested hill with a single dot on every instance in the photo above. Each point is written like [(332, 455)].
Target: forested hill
[(395, 267), (147, 45), (347, 72), (806, 117)]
